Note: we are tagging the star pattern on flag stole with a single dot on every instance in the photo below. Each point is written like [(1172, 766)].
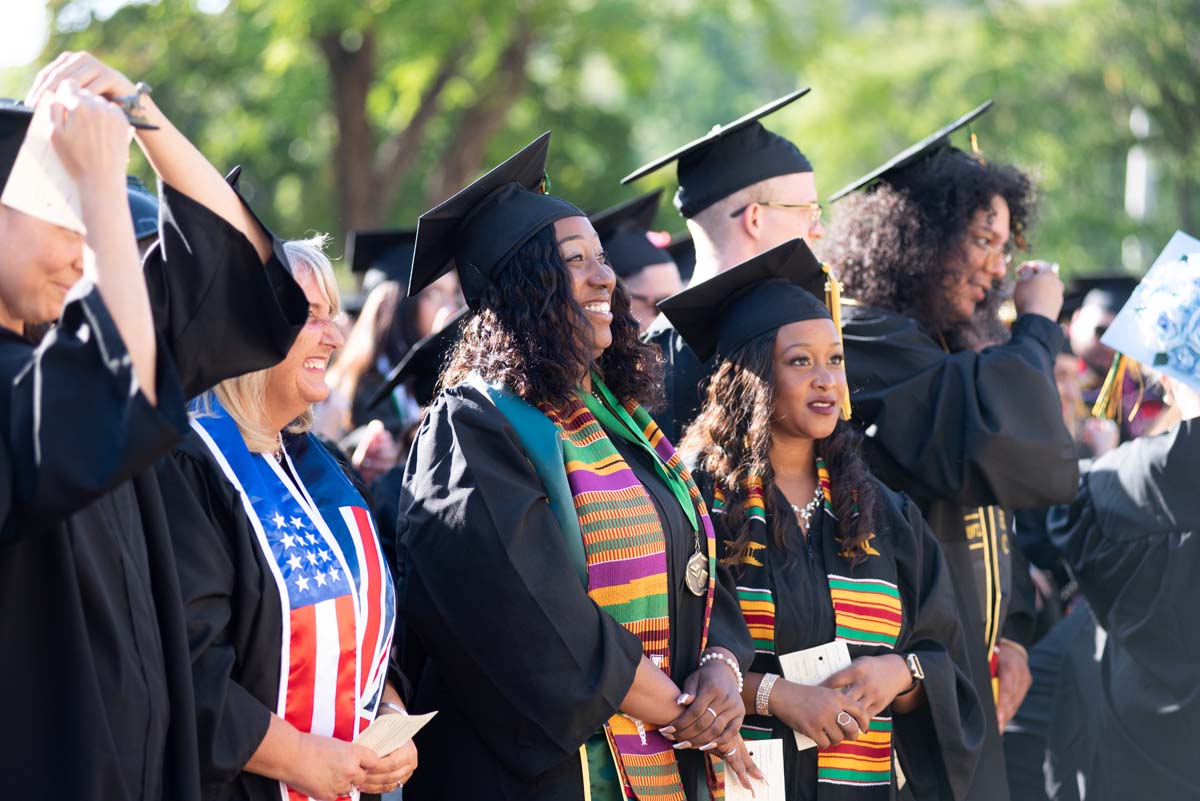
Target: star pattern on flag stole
[(309, 570)]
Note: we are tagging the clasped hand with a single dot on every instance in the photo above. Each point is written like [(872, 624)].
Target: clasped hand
[(712, 719)]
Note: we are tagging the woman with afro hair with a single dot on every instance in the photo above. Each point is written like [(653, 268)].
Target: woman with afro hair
[(958, 413)]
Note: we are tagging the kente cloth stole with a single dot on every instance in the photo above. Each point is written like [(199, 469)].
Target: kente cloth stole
[(867, 617), (334, 585), (627, 577)]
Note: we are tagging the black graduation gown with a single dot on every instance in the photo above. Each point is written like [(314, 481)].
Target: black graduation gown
[(97, 687), (938, 745), (969, 436), (522, 665), (685, 377), (1132, 539)]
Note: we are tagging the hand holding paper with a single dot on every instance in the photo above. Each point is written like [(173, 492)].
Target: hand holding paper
[(389, 732)]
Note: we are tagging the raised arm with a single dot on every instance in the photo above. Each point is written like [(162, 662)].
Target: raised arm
[(175, 159), (977, 428)]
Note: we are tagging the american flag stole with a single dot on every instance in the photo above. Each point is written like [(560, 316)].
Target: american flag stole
[(625, 547), (868, 616), (334, 586)]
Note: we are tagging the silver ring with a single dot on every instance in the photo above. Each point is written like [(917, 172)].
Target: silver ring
[(844, 719), (714, 714)]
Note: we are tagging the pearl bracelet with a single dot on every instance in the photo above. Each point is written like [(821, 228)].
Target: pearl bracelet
[(763, 697), (728, 660)]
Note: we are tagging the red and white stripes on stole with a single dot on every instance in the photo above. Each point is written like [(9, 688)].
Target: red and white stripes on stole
[(375, 643)]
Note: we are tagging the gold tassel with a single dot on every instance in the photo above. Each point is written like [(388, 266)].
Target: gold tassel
[(1108, 402), (833, 300)]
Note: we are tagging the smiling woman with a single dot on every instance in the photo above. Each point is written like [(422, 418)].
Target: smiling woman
[(266, 402), (598, 627), (282, 573)]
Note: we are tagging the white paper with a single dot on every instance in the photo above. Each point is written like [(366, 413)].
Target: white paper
[(812, 666), (388, 732), (768, 756), (1159, 327), (39, 184)]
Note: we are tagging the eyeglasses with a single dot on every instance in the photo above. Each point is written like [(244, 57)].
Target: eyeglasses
[(1004, 253), (814, 209)]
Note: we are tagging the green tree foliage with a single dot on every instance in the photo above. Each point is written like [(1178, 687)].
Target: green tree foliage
[(363, 114)]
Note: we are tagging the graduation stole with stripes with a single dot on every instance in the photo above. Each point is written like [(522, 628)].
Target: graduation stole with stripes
[(867, 617), (626, 555), (335, 590)]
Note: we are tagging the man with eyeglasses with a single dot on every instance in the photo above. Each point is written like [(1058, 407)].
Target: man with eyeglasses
[(742, 190), (957, 412)]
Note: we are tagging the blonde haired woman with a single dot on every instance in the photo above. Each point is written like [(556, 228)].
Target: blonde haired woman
[(289, 601)]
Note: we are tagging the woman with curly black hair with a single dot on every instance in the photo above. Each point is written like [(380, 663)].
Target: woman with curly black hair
[(558, 565), (960, 414), (821, 551)]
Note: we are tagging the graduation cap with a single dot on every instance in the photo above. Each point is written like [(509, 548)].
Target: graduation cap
[(728, 158), (143, 205), (918, 153), (623, 231), (382, 255), (423, 363), (479, 228), (1159, 326), (683, 253), (14, 122), (783, 285)]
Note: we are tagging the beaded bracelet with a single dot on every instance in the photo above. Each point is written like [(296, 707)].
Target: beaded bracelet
[(763, 697), (728, 660)]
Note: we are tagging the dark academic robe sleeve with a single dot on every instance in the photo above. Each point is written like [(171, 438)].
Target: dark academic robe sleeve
[(940, 742), (1131, 539), (77, 424), (219, 308), (531, 664), (977, 428), (221, 582)]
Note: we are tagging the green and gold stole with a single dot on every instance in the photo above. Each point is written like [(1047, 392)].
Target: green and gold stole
[(626, 555), (868, 617)]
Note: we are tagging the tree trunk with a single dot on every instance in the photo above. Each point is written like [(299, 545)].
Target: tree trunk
[(479, 124), (351, 73)]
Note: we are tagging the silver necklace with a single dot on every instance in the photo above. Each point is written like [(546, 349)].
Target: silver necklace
[(806, 512)]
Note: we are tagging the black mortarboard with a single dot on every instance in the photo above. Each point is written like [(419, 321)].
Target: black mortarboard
[(728, 158), (14, 122), (383, 255), (143, 206), (423, 363), (623, 232), (479, 228), (683, 252), (927, 147), (783, 285)]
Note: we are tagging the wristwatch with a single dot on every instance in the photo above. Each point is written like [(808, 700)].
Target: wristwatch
[(915, 670)]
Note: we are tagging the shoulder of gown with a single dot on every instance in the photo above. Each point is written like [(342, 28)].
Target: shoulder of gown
[(962, 426), (531, 661)]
